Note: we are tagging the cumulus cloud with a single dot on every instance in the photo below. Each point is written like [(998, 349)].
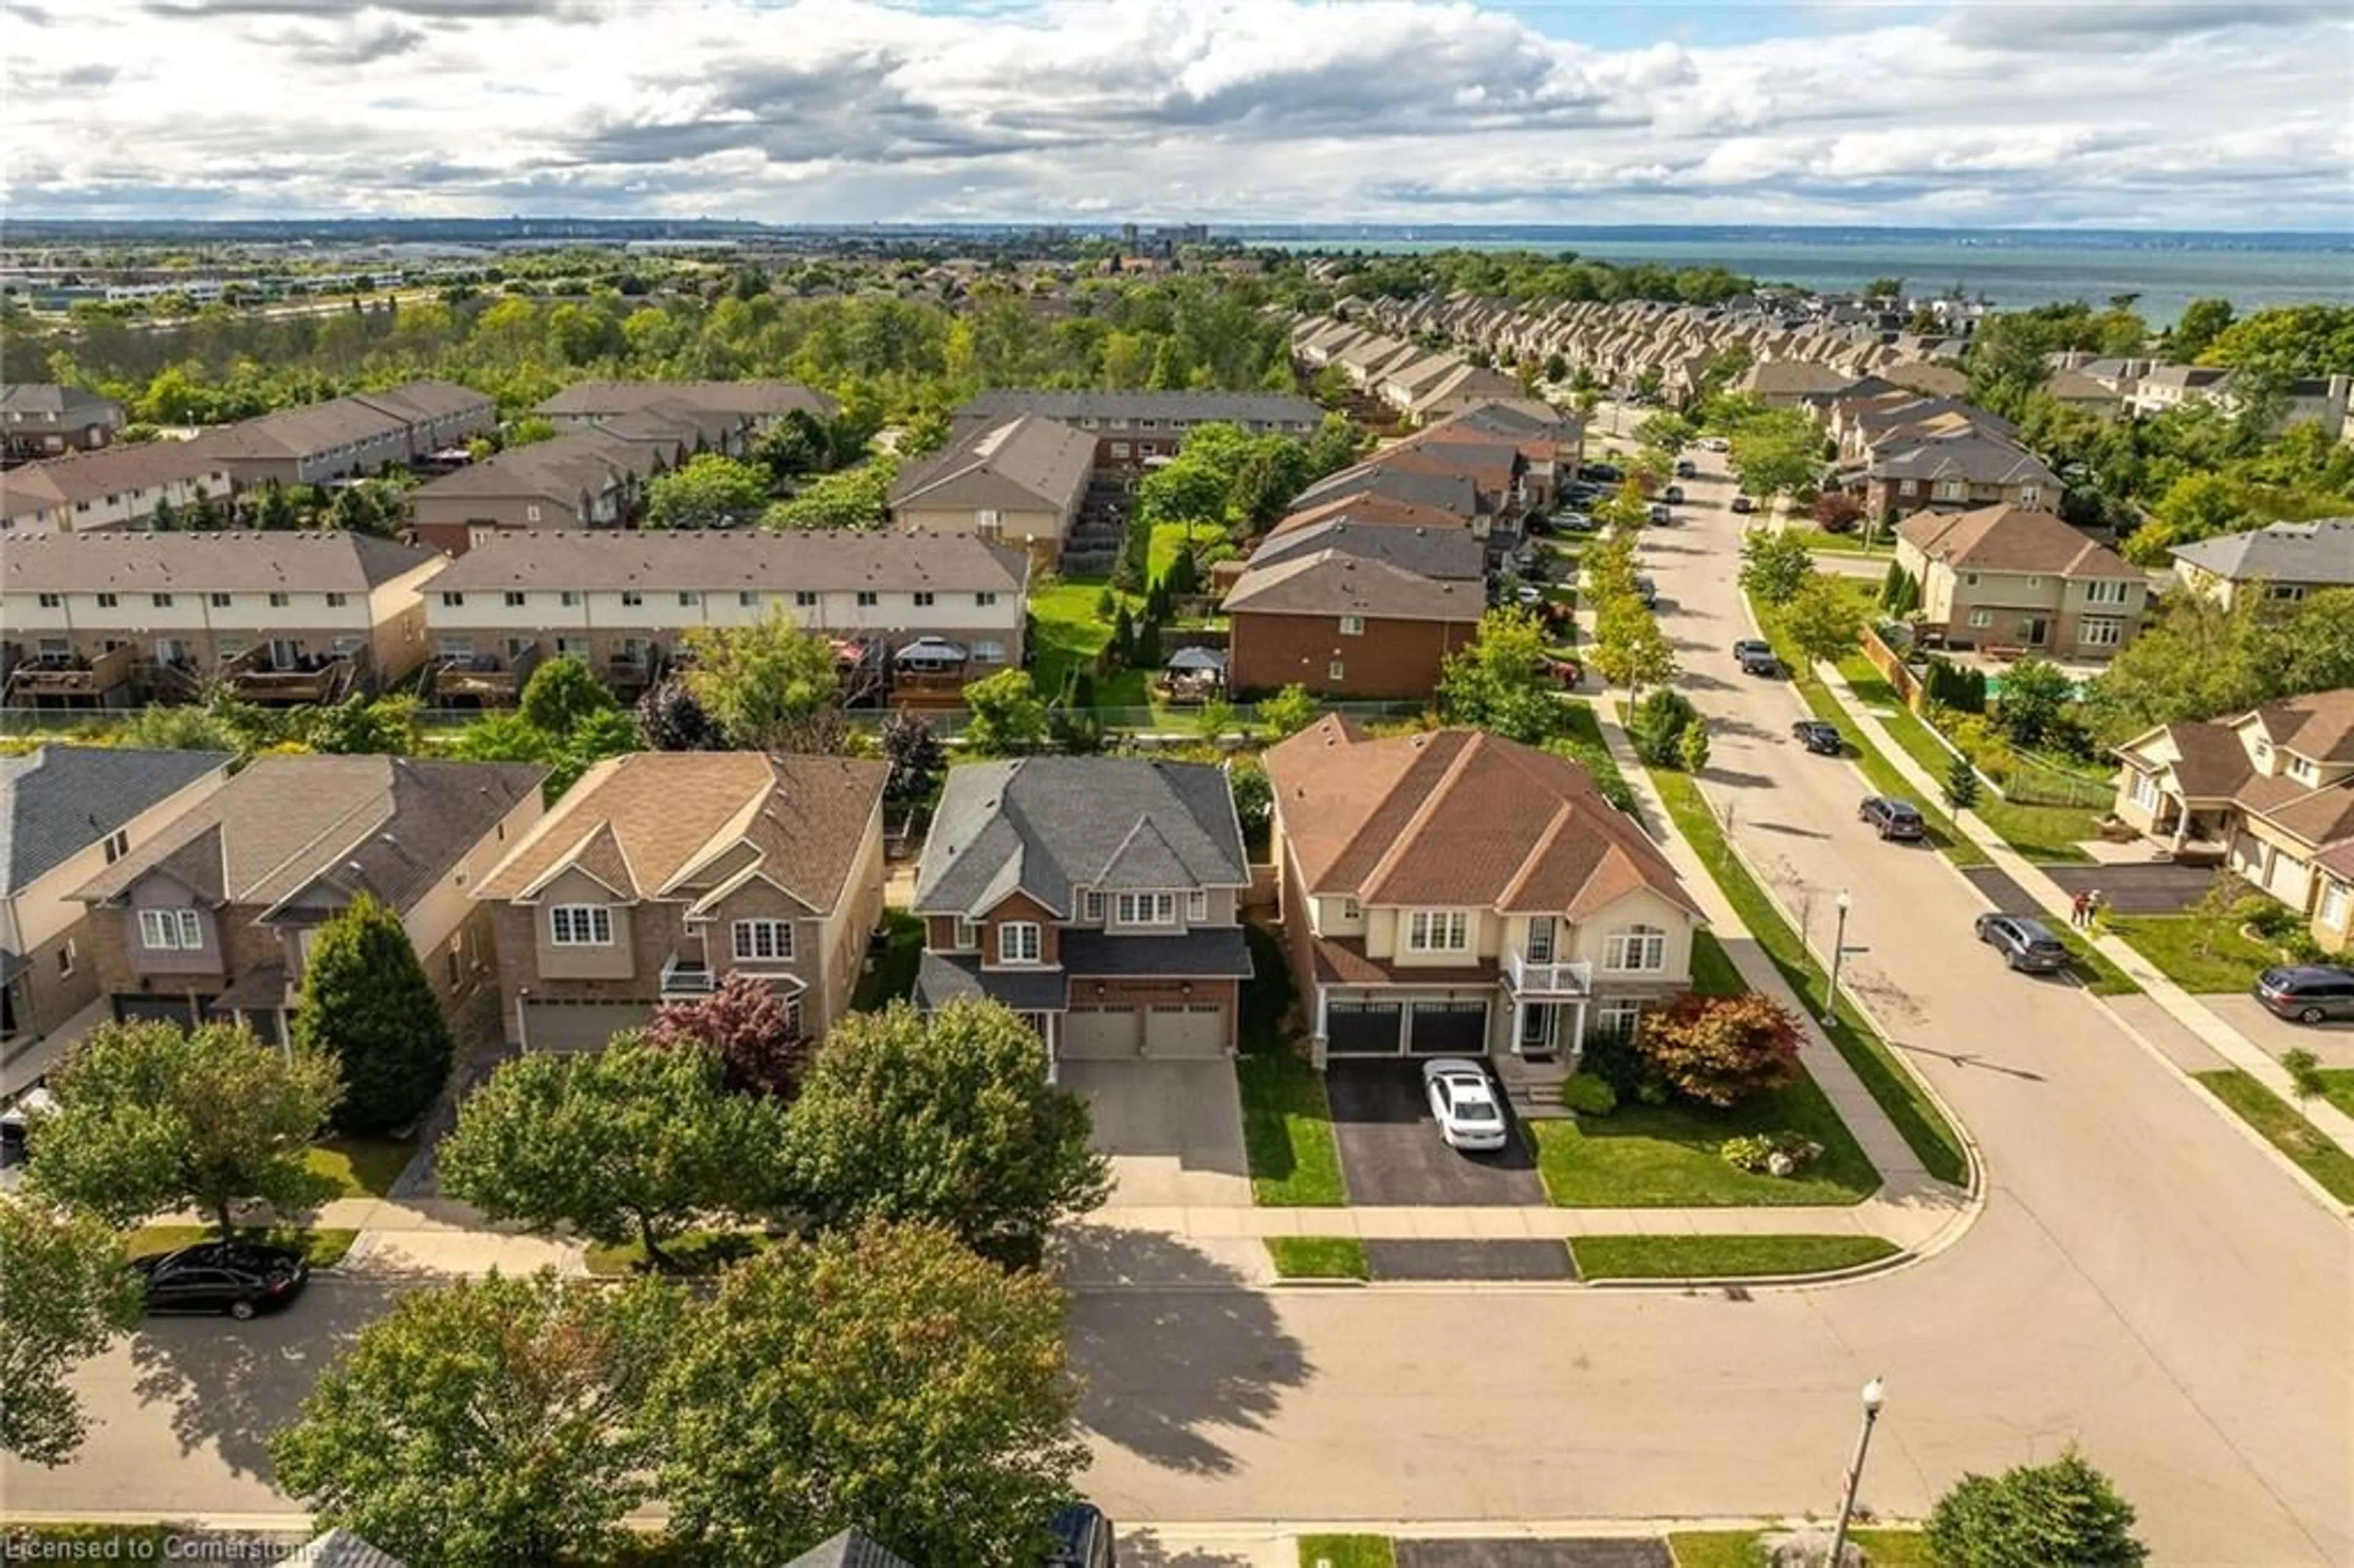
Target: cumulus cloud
[(2189, 113)]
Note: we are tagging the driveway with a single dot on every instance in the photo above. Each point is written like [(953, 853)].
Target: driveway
[(2151, 889), (2275, 1037), (1174, 1130), (1391, 1152)]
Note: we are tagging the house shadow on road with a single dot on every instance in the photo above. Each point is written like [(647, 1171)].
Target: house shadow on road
[(229, 1385), (1170, 1342)]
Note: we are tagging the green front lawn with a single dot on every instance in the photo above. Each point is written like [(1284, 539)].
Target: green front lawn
[(1666, 1157), (324, 1248), (1319, 1257), (1712, 972), (1883, 541), (1347, 1552), (1287, 1132), (1722, 1257), (1741, 1547), (2285, 1129), (2200, 955), (361, 1167), (893, 978), (2338, 1088), (1888, 1082)]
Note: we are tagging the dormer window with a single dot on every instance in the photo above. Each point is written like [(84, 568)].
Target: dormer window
[(1017, 942), (1145, 909), (2303, 770), (1091, 908)]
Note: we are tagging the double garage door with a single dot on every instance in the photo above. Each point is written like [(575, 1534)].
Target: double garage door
[(580, 1025), (1111, 1033), (1445, 1027)]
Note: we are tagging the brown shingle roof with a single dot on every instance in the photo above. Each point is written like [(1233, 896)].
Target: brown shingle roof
[(110, 471), (230, 561), (753, 399), (2212, 764), (715, 561), (1457, 818), (639, 823), (2012, 539), (2319, 725), (1336, 582), (1037, 456)]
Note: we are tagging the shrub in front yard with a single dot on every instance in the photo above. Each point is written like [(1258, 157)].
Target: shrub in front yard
[(1722, 1050), (1589, 1096), (1613, 1057), (2065, 1511), (1771, 1153)]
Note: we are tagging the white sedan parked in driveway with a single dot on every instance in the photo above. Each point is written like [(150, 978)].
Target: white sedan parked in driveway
[(1463, 1103)]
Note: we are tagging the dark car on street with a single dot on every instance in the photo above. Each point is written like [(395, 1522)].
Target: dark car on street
[(1602, 472), (1743, 503), (1673, 495), (1660, 517), (1762, 661), (1083, 1538), (1647, 591), (1891, 818), (240, 1279), (1687, 469), (2025, 943), (2308, 993), (1820, 736)]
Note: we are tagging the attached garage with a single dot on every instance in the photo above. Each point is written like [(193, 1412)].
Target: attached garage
[(1192, 1029), (580, 1025), (1363, 1028), (1100, 1033), (1450, 1028)]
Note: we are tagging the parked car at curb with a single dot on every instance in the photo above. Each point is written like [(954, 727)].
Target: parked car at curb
[(1673, 495), (1745, 646), (1743, 503), (1083, 1538), (2026, 944), (1660, 515), (1819, 735), (2306, 993), (239, 1279), (1715, 444), (1687, 469), (1463, 1103), (1762, 661), (1647, 591), (1891, 818)]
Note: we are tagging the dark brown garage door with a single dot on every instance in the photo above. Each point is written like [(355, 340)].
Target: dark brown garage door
[(1451, 1028), (1362, 1028)]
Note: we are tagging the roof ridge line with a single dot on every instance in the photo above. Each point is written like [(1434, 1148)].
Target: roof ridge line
[(1429, 806)]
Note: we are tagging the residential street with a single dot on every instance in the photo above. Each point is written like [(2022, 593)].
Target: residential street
[(2144, 1280)]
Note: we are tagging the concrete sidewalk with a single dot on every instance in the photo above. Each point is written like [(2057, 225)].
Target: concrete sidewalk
[(2226, 1041)]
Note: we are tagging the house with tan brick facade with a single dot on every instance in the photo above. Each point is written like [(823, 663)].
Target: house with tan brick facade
[(1097, 897), (2009, 578), (1450, 892), (211, 917), (661, 874)]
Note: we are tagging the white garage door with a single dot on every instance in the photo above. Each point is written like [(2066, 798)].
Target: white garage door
[(1095, 1034), (1194, 1029), (2291, 882), (580, 1025)]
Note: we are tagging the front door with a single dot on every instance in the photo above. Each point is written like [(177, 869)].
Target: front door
[(1536, 1027), (283, 653)]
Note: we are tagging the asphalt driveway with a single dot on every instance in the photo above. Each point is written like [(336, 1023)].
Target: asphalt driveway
[(2157, 889), (1391, 1152)]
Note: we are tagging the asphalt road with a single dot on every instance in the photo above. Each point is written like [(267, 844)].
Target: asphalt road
[(2145, 1282)]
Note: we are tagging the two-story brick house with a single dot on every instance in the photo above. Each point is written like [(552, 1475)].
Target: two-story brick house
[(2005, 578), (1349, 609), (1096, 896), (41, 418), (660, 873), (1450, 892), (66, 813), (212, 918), (106, 618)]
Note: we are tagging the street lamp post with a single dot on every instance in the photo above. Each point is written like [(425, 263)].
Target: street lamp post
[(1839, 950), (1875, 1393)]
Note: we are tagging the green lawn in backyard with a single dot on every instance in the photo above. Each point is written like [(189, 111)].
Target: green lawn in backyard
[(1072, 631), (1720, 1257), (2198, 954), (2338, 1088), (1319, 1257), (696, 1252), (1740, 1548), (1656, 1157), (1897, 1092), (1878, 771), (1286, 1122), (1347, 1552), (893, 974), (1713, 971), (2285, 1129), (361, 1167), (1169, 538), (325, 1248), (1584, 731)]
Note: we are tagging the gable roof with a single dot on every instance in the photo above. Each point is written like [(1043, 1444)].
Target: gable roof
[(1005, 403), (562, 469), (1454, 493), (58, 800), (1446, 553), (2318, 724), (48, 402), (1045, 825), (749, 399), (229, 560), (417, 402), (1963, 453), (650, 824), (392, 826), (1335, 582), (854, 1548), (1038, 457), (2012, 539), (110, 471), (721, 560), (1457, 817), (2318, 552)]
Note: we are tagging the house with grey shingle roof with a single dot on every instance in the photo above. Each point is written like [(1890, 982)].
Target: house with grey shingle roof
[(212, 918), (42, 418), (66, 813), (1022, 482), (1097, 896), (854, 1548), (2281, 560)]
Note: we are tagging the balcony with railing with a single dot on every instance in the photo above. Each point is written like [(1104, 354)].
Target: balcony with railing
[(485, 678), (1547, 981), (69, 677), (687, 975), (290, 675), (633, 669)]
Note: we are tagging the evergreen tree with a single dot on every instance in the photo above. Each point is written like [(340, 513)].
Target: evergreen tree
[(1148, 646), (367, 1002), (1123, 637), (1961, 784)]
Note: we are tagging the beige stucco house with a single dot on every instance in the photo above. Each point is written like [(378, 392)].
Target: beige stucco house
[(2004, 578)]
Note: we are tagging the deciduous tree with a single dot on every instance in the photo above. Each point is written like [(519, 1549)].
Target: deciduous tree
[(367, 1003), (68, 1297), (884, 1378), (1006, 716), (2035, 693), (1289, 712), (709, 490), (747, 1026), (1722, 1050), (1775, 564), (561, 695), (151, 1118), (1496, 682), (1824, 619), (767, 686), (947, 1118), (671, 719), (488, 1422), (2065, 1511), (918, 758)]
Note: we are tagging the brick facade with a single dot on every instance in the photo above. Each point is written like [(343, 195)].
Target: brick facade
[(1389, 659)]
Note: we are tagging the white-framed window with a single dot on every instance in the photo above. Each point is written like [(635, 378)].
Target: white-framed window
[(2030, 495), (804, 599), (572, 648), (1618, 1017), (1119, 448), (868, 598), (1091, 908), (758, 941), (514, 599), (66, 956), (568, 597), (1350, 909), (1952, 490), (1981, 618), (1197, 903), (1352, 626), (2335, 900), (989, 651), (2101, 633), (688, 599), (2035, 582), (2145, 792), (105, 600), (747, 598), (1438, 931), (163, 601), (2278, 591), (1145, 909), (1017, 942), (988, 519), (580, 925), (222, 600), (171, 931), (968, 934), (2303, 771), (2108, 590), (453, 600), (338, 601), (1637, 949), (118, 844), (531, 511), (277, 600), (631, 598), (924, 600), (1336, 671), (453, 647), (984, 600)]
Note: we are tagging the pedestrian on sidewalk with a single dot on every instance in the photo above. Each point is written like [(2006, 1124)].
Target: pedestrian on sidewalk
[(2079, 908), (2091, 908)]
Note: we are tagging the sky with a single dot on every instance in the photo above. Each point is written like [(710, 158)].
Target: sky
[(2210, 114)]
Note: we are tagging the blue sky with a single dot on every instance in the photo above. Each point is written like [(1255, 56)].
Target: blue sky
[(2131, 114)]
